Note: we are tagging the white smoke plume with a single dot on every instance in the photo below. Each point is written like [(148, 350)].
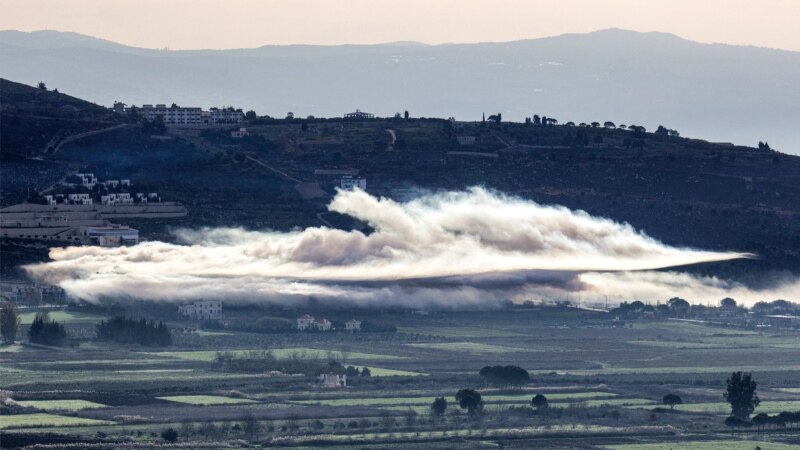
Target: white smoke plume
[(444, 249)]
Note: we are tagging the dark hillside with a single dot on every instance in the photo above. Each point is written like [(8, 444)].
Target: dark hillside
[(685, 192), (32, 120)]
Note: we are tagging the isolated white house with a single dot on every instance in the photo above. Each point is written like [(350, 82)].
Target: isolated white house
[(331, 380), (352, 325)]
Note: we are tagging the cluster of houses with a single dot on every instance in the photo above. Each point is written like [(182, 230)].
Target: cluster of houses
[(182, 115), (308, 322), (90, 181), (23, 293)]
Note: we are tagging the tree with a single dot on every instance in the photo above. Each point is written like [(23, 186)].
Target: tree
[(741, 394), (540, 402), (678, 305), (44, 332), (365, 372), (250, 115), (405, 114), (595, 124), (537, 120), (169, 435), (289, 115), (727, 302), (9, 322), (40, 85), (609, 124), (671, 400), (470, 400), (439, 406), (250, 426)]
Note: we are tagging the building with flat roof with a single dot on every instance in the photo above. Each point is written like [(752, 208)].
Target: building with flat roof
[(358, 114), (111, 235), (204, 309), (348, 183)]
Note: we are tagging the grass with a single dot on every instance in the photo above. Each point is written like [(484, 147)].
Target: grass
[(381, 372), (470, 347), (63, 317), (706, 445), (281, 353), (13, 348), (206, 400), (61, 405), (489, 399), (459, 332), (769, 407), (44, 419)]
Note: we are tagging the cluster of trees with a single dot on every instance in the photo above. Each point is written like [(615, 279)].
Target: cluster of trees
[(124, 330), (9, 322), (45, 332), (352, 371), (472, 401), (505, 375)]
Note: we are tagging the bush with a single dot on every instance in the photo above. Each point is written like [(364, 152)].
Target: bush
[(169, 435)]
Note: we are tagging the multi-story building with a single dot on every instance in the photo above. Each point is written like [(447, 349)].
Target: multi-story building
[(173, 115), (225, 115), (206, 309), (352, 325), (349, 183)]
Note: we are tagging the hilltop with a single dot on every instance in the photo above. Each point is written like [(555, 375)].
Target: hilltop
[(720, 92), (685, 192)]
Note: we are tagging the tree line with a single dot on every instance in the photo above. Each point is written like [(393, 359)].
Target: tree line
[(124, 330)]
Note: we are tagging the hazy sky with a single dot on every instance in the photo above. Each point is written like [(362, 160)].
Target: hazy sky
[(192, 24)]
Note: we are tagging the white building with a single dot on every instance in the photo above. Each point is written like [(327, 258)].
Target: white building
[(173, 115), (121, 198), (207, 309), (240, 133), (332, 380), (465, 140), (359, 115), (305, 322), (225, 115), (80, 199), (87, 179), (308, 322), (349, 183), (352, 325), (111, 235), (323, 324)]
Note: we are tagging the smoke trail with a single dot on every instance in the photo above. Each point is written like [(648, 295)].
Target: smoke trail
[(448, 249)]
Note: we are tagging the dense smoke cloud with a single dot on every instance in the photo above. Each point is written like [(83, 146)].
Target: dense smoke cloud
[(444, 249)]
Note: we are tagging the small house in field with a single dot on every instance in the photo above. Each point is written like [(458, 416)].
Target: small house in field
[(352, 325), (305, 322), (323, 324), (331, 380)]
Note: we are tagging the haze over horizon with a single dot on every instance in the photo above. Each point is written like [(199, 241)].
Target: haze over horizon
[(210, 25)]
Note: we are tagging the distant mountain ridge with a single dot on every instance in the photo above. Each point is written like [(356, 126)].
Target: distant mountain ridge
[(719, 92)]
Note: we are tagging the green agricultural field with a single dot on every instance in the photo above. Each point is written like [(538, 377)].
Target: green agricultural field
[(489, 399), (206, 400), (381, 372), (471, 347), (300, 353), (67, 317), (61, 405), (769, 407), (707, 445), (460, 332), (44, 419)]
